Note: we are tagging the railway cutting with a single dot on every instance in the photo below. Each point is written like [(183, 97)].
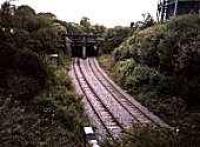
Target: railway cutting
[(110, 109)]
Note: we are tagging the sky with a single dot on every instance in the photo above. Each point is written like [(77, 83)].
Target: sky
[(104, 12)]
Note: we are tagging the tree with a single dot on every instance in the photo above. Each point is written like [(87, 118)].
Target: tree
[(47, 15), (25, 10), (85, 22), (25, 18), (6, 13), (114, 37), (99, 30), (147, 21), (86, 25), (73, 28)]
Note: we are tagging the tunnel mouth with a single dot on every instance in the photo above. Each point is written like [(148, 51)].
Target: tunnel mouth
[(91, 51), (77, 51), (83, 45)]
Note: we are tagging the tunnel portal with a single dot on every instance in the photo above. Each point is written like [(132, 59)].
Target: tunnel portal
[(83, 45)]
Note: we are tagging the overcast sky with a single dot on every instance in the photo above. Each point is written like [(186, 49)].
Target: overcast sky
[(107, 12)]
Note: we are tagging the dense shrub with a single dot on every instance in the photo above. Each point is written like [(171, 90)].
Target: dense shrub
[(142, 77), (146, 137), (141, 45), (113, 38), (20, 67), (154, 137), (37, 104), (125, 68), (53, 118), (136, 78), (172, 49), (164, 76)]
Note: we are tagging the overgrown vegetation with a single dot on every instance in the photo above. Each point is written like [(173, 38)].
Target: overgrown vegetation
[(160, 65), (37, 104), (113, 37), (140, 136)]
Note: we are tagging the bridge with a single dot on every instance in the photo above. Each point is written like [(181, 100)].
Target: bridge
[(83, 45)]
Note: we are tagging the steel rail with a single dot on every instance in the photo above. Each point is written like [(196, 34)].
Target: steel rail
[(99, 99), (90, 103), (116, 92), (156, 122)]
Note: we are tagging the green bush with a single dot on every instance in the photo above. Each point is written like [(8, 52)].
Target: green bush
[(124, 68), (145, 137), (20, 67), (141, 45), (68, 107), (114, 37), (165, 75), (38, 106), (172, 49), (136, 78), (54, 117), (142, 79)]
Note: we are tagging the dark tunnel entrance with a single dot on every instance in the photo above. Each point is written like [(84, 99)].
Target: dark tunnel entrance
[(83, 45), (91, 51), (78, 51)]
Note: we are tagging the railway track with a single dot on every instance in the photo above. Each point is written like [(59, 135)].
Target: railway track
[(112, 108), (107, 121), (125, 98)]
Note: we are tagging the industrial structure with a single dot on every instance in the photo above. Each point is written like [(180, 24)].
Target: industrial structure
[(170, 8)]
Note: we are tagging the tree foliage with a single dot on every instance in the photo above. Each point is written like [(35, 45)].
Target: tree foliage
[(147, 21), (114, 37), (37, 104), (172, 48), (160, 67)]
